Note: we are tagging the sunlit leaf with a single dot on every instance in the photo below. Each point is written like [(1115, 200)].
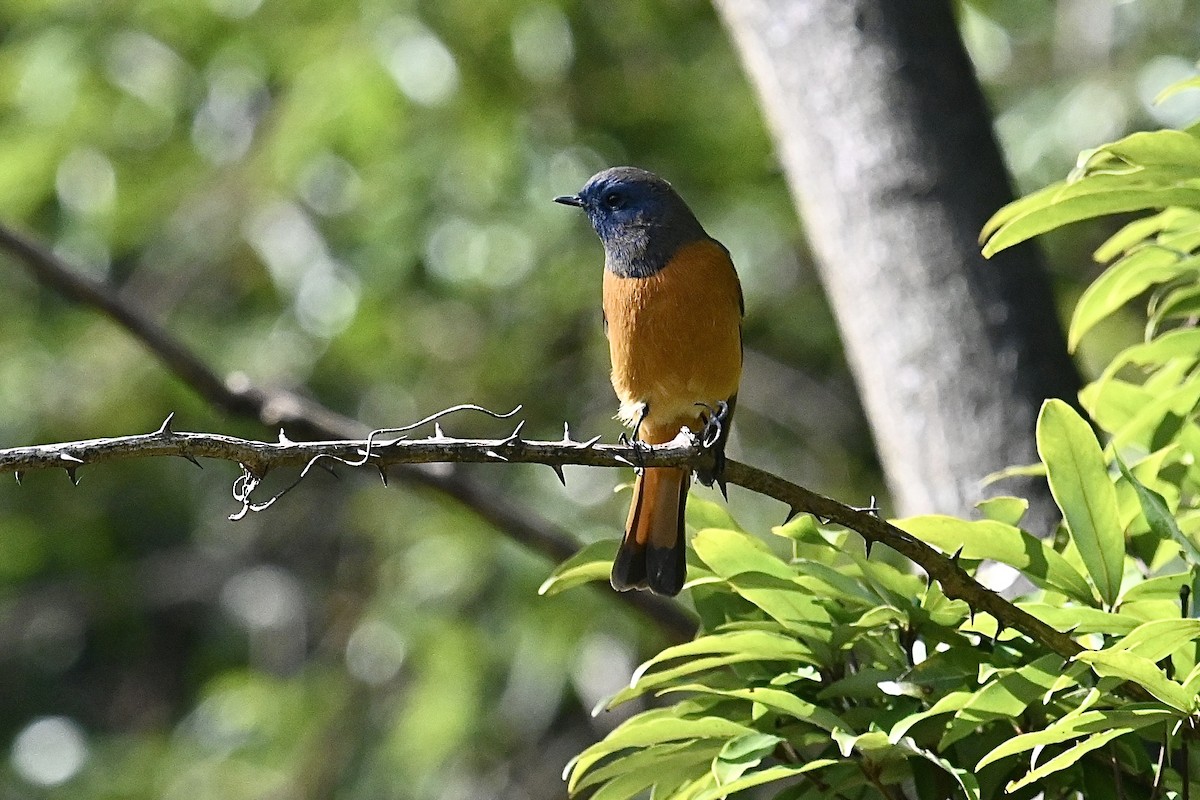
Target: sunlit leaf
[(1084, 492), (1068, 758), (981, 539), (1130, 667), (1130, 718)]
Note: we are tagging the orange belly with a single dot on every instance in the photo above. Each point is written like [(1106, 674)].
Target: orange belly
[(675, 339)]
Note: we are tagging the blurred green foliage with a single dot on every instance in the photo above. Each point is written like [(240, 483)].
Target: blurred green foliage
[(352, 200)]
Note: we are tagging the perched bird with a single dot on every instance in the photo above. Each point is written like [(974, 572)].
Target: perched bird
[(673, 315)]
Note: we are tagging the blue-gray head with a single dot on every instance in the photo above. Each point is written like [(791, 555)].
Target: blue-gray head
[(640, 219)]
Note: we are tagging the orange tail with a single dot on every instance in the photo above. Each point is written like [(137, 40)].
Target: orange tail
[(652, 554)]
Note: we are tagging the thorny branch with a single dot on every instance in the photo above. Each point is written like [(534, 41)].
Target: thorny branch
[(380, 453), (304, 418)]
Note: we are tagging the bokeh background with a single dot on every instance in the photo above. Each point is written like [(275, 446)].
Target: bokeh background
[(352, 200)]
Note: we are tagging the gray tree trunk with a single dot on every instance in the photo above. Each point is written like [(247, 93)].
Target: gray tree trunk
[(887, 145)]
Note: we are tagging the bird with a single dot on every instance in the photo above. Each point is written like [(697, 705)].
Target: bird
[(673, 311)]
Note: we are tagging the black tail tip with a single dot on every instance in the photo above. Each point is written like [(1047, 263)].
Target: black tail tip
[(662, 570)]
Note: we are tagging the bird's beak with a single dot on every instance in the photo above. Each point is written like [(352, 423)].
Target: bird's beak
[(570, 200)]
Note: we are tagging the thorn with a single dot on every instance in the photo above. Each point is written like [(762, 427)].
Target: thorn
[(437, 431), (495, 455), (928, 581), (566, 432), (17, 474), (283, 439), (724, 491), (70, 458), (516, 434), (867, 545), (328, 468), (165, 428), (382, 473), (73, 474), (792, 513), (558, 470), (971, 613), (590, 442), (192, 459), (623, 460), (957, 554)]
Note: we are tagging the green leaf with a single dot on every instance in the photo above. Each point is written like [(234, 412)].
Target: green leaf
[(1067, 758), (1094, 196), (1008, 510), (946, 704), (592, 563), (1131, 718), (778, 701), (1004, 543), (1076, 619), (1159, 517), (705, 513), (1084, 492), (649, 729), (966, 781), (649, 763), (1130, 667), (758, 778), (1004, 697), (1139, 230), (1165, 148), (1157, 639), (710, 652), (1122, 282), (762, 578), (741, 754)]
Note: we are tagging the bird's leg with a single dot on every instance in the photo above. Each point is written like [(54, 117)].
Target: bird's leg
[(712, 437), (640, 448)]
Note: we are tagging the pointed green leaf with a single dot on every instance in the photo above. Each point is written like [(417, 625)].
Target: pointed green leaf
[(1008, 510), (1004, 543), (592, 563), (1084, 492), (768, 775), (710, 652), (649, 729), (1133, 717), (1060, 204), (1067, 758), (1157, 639), (1005, 697), (1130, 667), (1159, 517), (1122, 282), (778, 701)]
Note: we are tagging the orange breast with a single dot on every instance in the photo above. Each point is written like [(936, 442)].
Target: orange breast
[(675, 339)]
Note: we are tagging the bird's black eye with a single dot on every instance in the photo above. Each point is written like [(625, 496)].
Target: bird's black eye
[(613, 200)]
